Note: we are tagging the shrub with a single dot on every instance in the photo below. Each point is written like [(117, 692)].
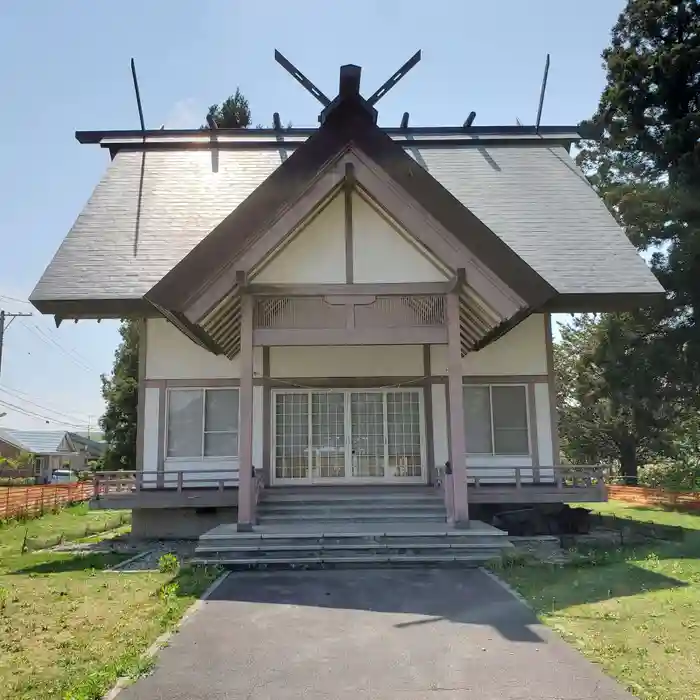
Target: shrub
[(168, 564), (679, 475)]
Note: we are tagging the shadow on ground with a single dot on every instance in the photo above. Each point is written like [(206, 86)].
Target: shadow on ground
[(460, 596), (60, 563)]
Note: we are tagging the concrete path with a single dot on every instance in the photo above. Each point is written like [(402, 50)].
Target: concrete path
[(368, 635)]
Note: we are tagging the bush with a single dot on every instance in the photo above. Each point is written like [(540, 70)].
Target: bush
[(168, 564), (680, 475)]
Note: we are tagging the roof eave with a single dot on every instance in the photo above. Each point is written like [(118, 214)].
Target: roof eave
[(566, 132), (593, 302), (95, 308)]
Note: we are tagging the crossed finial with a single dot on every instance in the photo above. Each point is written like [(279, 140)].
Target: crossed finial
[(349, 82)]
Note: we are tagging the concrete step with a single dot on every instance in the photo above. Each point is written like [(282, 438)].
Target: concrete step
[(253, 539), (362, 560), (303, 549), (341, 498), (354, 518), (303, 510)]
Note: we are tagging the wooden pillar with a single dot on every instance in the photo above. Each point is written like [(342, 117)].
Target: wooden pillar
[(245, 419), (456, 412)]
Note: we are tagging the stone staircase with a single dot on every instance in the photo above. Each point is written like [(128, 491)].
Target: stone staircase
[(351, 526)]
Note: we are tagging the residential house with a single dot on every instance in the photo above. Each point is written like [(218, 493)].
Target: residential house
[(349, 306), (51, 450)]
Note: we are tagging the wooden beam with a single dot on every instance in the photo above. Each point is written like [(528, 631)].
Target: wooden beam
[(380, 289), (245, 419), (456, 404), (402, 335)]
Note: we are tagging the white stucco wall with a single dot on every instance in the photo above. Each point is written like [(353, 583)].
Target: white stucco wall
[(382, 254), (150, 436), (316, 255), (521, 351), (170, 354), (347, 361), (441, 449), (544, 425)]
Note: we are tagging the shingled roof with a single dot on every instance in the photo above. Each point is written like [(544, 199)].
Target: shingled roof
[(162, 195)]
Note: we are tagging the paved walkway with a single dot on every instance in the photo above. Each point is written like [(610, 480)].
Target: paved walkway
[(368, 635)]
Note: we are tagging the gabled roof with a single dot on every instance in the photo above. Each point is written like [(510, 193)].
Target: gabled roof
[(35, 441), (348, 127), (527, 191)]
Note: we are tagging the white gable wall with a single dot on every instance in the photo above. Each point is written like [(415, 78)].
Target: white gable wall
[(316, 255), (382, 254)]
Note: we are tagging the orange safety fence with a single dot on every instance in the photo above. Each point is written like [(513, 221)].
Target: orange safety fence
[(23, 501), (646, 496)]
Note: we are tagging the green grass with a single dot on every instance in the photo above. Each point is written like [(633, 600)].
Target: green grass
[(636, 611), (621, 509), (68, 628)]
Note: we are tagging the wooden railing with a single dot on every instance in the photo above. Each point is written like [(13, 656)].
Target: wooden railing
[(124, 482), (488, 484), (561, 477)]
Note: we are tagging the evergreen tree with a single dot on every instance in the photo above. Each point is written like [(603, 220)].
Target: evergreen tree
[(635, 374), (613, 406), (120, 392), (232, 113), (644, 157)]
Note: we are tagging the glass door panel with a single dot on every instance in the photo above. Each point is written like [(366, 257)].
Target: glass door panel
[(291, 436), (368, 443), (404, 434), (328, 435)]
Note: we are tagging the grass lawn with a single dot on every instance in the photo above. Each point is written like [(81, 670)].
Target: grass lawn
[(635, 610), (68, 628)]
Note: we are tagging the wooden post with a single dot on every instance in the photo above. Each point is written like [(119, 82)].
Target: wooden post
[(456, 401), (245, 418)]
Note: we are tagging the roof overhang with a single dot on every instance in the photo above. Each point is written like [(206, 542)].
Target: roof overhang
[(92, 308), (599, 303), (201, 293), (184, 139)]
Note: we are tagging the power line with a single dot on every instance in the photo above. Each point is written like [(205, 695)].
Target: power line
[(70, 351), (19, 301), (4, 315), (34, 414), (50, 342), (68, 348), (18, 395)]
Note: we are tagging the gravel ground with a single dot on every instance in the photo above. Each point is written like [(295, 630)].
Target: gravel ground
[(151, 550)]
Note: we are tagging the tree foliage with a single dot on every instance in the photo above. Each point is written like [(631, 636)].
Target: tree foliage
[(120, 392), (613, 407), (644, 156), (232, 113), (629, 380)]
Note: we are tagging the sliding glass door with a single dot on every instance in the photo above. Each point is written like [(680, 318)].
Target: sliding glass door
[(348, 436)]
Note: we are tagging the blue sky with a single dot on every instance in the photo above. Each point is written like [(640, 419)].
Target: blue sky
[(65, 66)]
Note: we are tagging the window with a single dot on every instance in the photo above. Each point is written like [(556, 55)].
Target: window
[(495, 419), (203, 423)]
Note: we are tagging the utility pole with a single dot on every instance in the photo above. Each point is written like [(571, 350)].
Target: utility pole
[(4, 325)]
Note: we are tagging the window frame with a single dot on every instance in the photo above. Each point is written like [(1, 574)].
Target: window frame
[(202, 457), (493, 452)]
